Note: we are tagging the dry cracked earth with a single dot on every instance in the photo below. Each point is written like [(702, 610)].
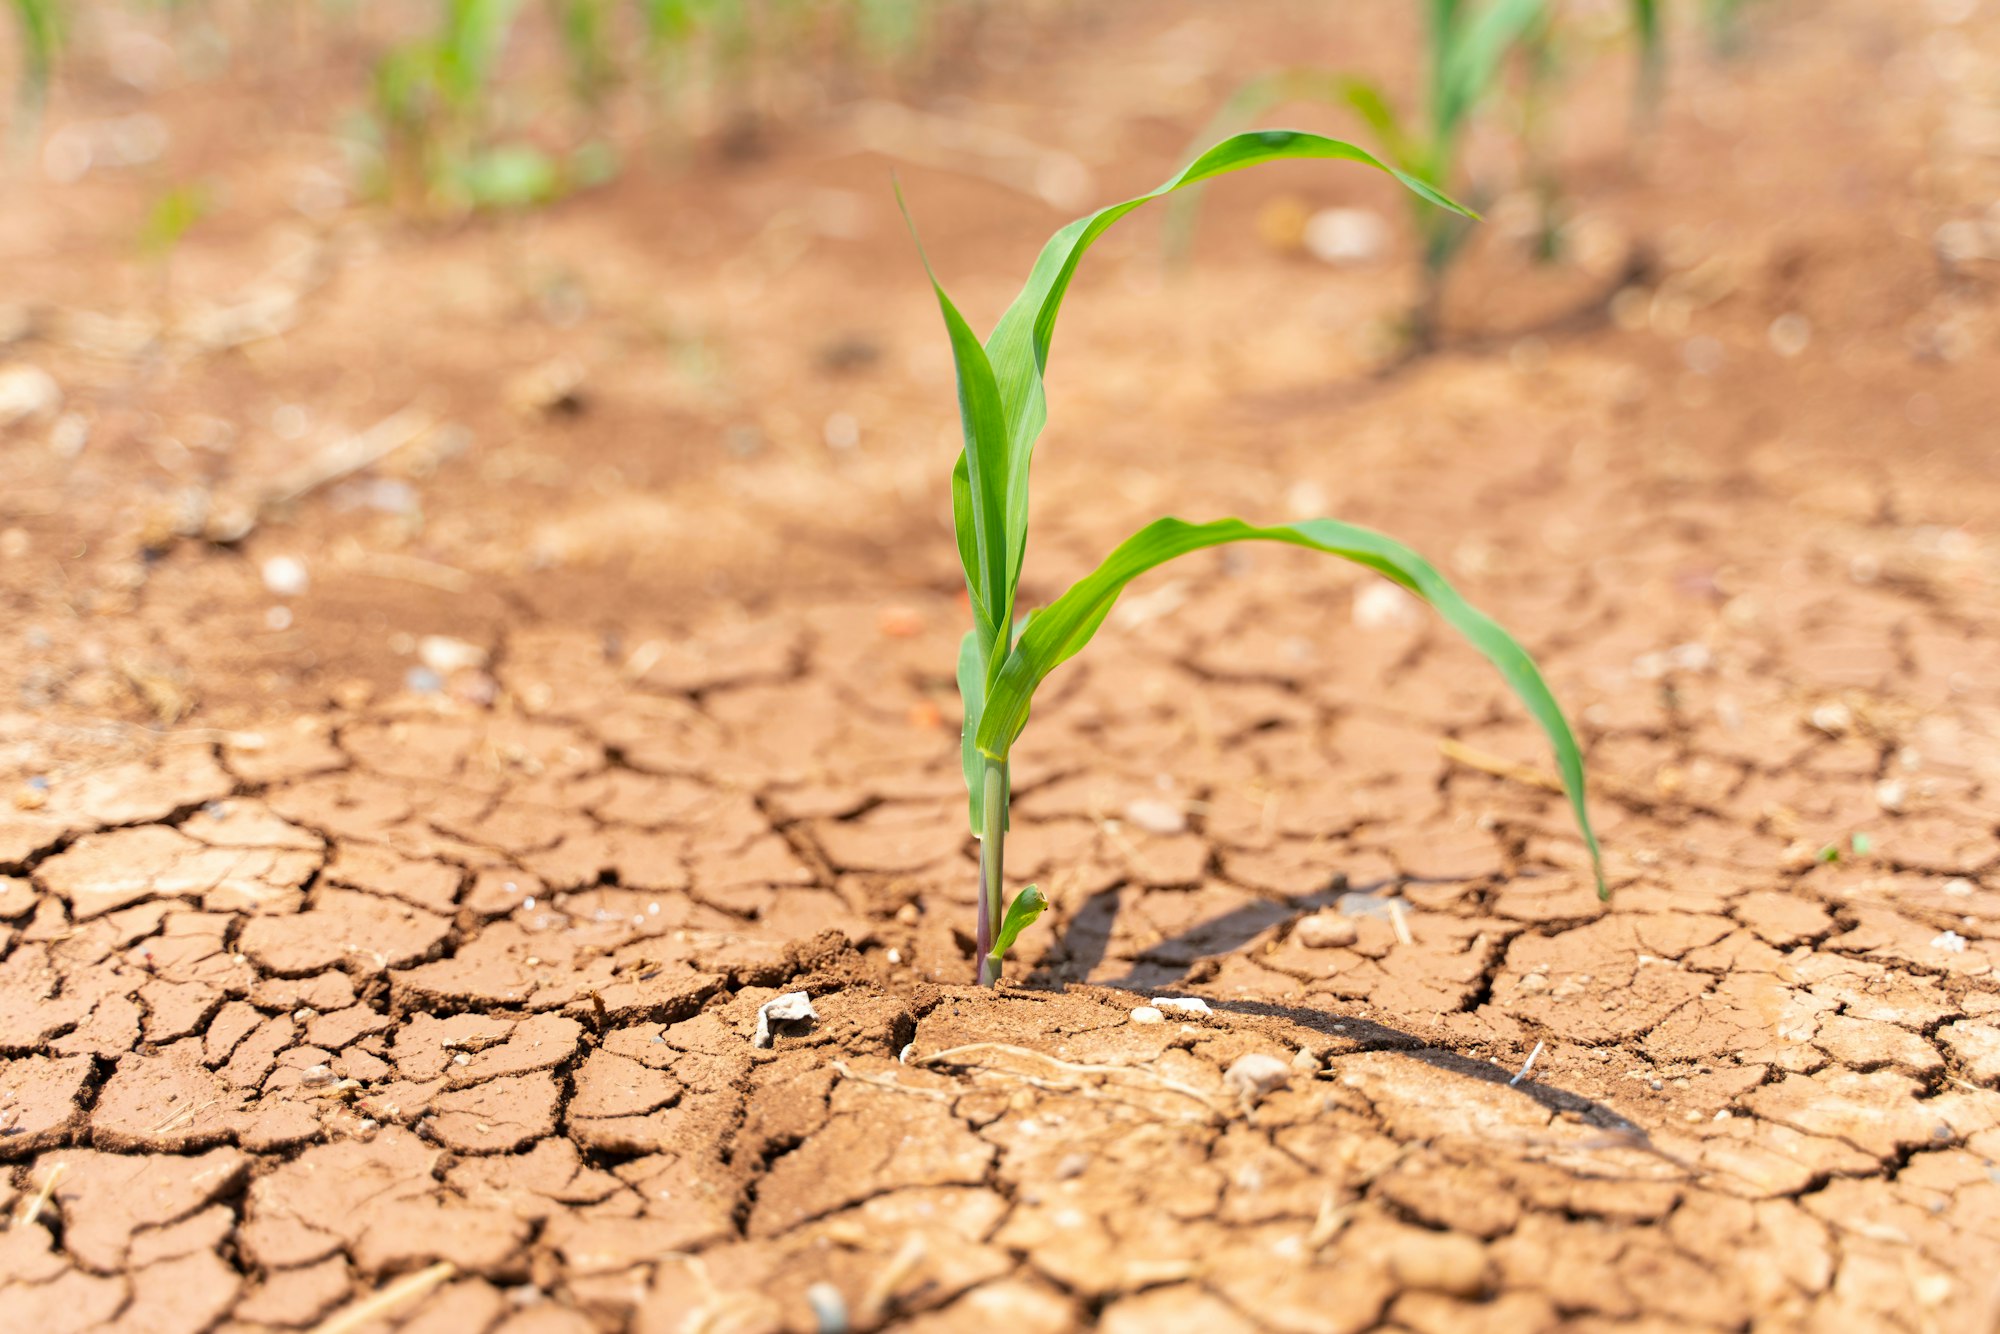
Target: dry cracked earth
[(413, 987)]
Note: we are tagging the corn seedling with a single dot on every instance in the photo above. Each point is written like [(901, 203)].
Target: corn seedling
[(1467, 46), (41, 39), (1002, 660)]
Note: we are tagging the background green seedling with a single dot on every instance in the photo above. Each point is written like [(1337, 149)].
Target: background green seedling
[(40, 26), (1003, 660), (1468, 44)]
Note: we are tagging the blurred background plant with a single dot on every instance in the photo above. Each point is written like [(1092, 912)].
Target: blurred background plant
[(40, 35), (1469, 45)]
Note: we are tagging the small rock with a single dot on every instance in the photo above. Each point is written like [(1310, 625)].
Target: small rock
[(1891, 794), (286, 576), (445, 655), (1833, 719), (1156, 815), (1382, 605), (829, 1308), (27, 391), (317, 1076), (1257, 1074), (1345, 235), (1306, 1062), (1326, 930), (789, 1012), (1184, 1004), (1146, 1014), (1950, 942)]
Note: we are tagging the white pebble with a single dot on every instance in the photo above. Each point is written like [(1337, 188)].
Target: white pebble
[(794, 1007), (1382, 605), (445, 655), (1891, 794), (1156, 815), (1346, 235), (1184, 1004), (1326, 930), (1256, 1074), (27, 391), (1146, 1014), (286, 576), (1950, 942)]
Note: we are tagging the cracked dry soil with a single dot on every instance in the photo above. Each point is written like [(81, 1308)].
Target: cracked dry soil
[(311, 983)]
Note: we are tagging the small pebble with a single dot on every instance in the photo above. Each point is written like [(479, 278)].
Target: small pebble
[(1950, 942), (1306, 1062), (1146, 1014), (1073, 1165), (286, 577), (1326, 930), (1184, 1004), (1346, 235), (1156, 815), (829, 1308), (794, 1008), (317, 1076), (1256, 1074), (445, 655)]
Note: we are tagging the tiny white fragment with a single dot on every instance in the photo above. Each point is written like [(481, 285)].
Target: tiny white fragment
[(1146, 1014), (909, 1050), (1950, 942), (794, 1007), (829, 1308), (1184, 1004), (286, 576), (1256, 1074), (445, 655), (1157, 815), (1526, 1066)]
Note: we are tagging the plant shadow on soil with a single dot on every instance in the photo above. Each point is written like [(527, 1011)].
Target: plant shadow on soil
[(1084, 940)]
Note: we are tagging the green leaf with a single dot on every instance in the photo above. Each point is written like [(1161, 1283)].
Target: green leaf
[(1021, 915), (1060, 630), (1471, 58), (41, 40), (979, 481), (1019, 345)]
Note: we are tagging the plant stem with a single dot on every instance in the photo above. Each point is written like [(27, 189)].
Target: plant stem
[(992, 862)]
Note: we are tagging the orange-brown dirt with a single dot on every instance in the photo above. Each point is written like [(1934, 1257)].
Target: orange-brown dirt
[(421, 915)]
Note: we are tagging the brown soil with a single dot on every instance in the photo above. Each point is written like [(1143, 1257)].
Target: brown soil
[(331, 953)]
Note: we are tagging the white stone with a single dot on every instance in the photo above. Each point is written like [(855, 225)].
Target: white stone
[(1184, 1004), (1257, 1074), (794, 1007), (1326, 930), (1156, 815), (445, 655), (27, 391), (286, 576), (1146, 1014), (1346, 235)]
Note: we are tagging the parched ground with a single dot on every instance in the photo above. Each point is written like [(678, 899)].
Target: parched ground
[(384, 936)]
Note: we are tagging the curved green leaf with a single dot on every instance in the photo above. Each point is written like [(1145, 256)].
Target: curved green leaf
[(1019, 345), (1060, 630), (1021, 915)]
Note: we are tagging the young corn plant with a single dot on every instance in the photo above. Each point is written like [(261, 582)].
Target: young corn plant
[(1005, 657), (1468, 44), (40, 25)]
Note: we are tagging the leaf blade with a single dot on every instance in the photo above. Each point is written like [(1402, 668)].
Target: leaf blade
[(1061, 629)]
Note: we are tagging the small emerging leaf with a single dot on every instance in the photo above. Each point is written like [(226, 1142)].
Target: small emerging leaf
[(1021, 915)]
